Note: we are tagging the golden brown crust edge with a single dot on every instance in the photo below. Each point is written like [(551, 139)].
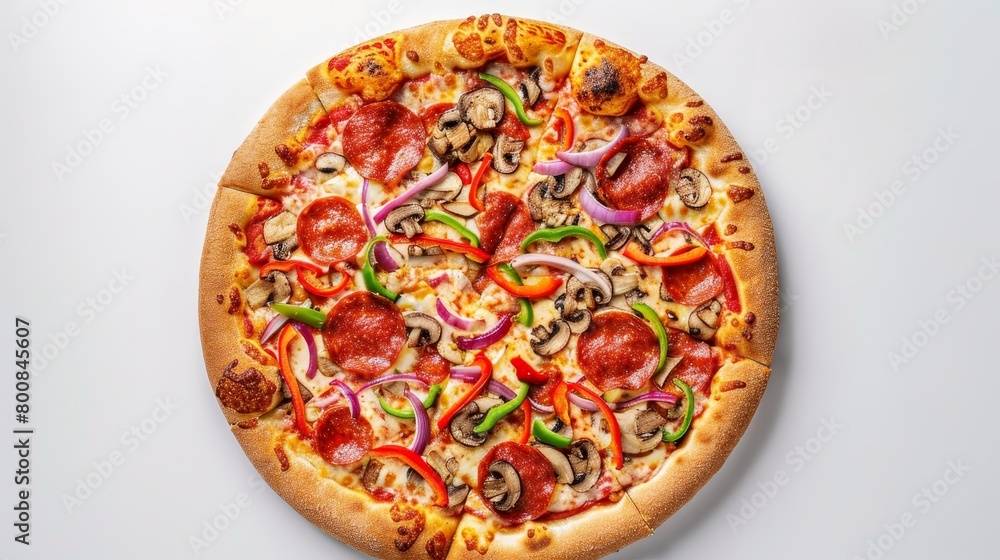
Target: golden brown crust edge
[(221, 342), (350, 516), (256, 167), (736, 391)]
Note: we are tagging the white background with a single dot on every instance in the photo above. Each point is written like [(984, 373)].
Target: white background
[(135, 205)]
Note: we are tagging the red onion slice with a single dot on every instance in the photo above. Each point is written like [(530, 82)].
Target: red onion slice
[(582, 402), (454, 320), (670, 226), (593, 157), (438, 279), (352, 398), (496, 387), (272, 328), (383, 257), (306, 332), (652, 396), (553, 168), (466, 373), (602, 213), (495, 333), (390, 379), (562, 263), (427, 181), (423, 431), (365, 213)]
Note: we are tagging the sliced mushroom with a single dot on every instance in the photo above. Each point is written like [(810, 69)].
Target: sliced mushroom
[(440, 466), (601, 295), (548, 341), (578, 295), (578, 320), (618, 236), (463, 424), (423, 329), (560, 464), (327, 367), (282, 250), (568, 183), (704, 321), (614, 162), (279, 227), (693, 188), (429, 251), (330, 162), (642, 236), (445, 190), (258, 293), (622, 281), (448, 127), (450, 352), (476, 147), (463, 209), (551, 211), (503, 486), (460, 135), (457, 495), (483, 108), (529, 89), (664, 295), (369, 479), (507, 154), (405, 220), (634, 296), (282, 289), (641, 429), (585, 460)]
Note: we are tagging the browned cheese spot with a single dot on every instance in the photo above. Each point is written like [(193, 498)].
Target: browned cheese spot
[(245, 392)]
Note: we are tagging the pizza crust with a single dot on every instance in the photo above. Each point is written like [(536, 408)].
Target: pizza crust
[(350, 515), (219, 321), (256, 167), (736, 391)]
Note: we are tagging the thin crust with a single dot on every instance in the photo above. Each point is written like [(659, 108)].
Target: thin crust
[(256, 166), (349, 515), (736, 391), (220, 307)]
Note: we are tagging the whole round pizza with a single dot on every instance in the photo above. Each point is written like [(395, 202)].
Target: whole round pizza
[(487, 288)]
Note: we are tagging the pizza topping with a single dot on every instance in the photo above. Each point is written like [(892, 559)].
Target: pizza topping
[(507, 154), (454, 319), (597, 278), (498, 412), (682, 256), (307, 336), (548, 341), (661, 333), (529, 89), (693, 188), (551, 211), (446, 190), (526, 373), (330, 229), (641, 429), (274, 287), (291, 383), (368, 271), (555, 235), (431, 366), (463, 426), (342, 439), (624, 280), (688, 413), (585, 461), (516, 482), (422, 431), (364, 333), (569, 182), (475, 148), (405, 219), (504, 224), (543, 434), (462, 209), (352, 398), (640, 182), (301, 313), (618, 351), (384, 141), (694, 283), (422, 329), (420, 466), (698, 361), (488, 337), (483, 108), (435, 177), (704, 321), (593, 157), (432, 216), (511, 96), (602, 213), (279, 227), (330, 162)]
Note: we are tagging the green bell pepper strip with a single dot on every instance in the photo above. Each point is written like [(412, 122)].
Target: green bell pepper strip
[(511, 96), (527, 315), (688, 414), (432, 396), (305, 315), (560, 233), (547, 436), (432, 216), (368, 272), (661, 333), (501, 410)]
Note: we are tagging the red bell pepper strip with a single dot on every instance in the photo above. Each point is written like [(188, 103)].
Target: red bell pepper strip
[(633, 252), (419, 465), (312, 286), (288, 266), (298, 407), (526, 373), (473, 253), (463, 172), (729, 287), (477, 181), (561, 403), (543, 287), (526, 432), (568, 132), (616, 433), (484, 377)]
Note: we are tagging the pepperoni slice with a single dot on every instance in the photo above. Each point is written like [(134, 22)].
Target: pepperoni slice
[(431, 114), (384, 141), (692, 284), (641, 180), (542, 394), (698, 361), (431, 368), (330, 229), (364, 334), (503, 226), (341, 439), (618, 351), (513, 127), (536, 476)]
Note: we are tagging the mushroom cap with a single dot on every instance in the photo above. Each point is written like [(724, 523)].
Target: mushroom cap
[(483, 108)]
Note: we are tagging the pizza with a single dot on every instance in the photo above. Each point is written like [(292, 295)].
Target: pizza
[(487, 288)]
